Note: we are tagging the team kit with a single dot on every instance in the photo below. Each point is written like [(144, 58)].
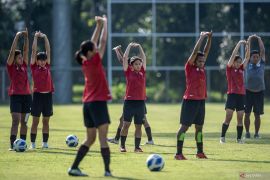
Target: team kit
[(245, 93)]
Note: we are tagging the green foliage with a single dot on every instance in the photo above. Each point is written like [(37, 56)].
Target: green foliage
[(226, 161)]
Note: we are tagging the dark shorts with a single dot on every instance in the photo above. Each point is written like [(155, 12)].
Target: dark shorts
[(20, 103), (42, 103), (235, 102), (192, 112), (254, 100), (136, 109), (95, 114)]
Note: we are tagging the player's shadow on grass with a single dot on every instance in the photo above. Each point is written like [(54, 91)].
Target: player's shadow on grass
[(49, 151), (239, 160), (119, 177)]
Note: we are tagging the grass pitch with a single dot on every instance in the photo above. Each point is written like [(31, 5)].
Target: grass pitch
[(226, 161)]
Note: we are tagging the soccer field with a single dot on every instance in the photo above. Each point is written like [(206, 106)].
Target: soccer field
[(226, 161)]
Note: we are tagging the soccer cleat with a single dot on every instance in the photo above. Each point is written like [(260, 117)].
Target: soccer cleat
[(107, 173), (45, 145), (75, 172), (201, 156), (240, 141), (180, 157), (150, 142), (247, 136), (11, 149), (222, 140), (33, 145), (123, 149), (138, 150), (113, 140), (257, 136)]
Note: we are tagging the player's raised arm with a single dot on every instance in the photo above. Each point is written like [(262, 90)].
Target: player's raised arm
[(142, 55), (103, 37), (47, 47), (97, 30), (262, 49), (208, 44), (25, 46), (247, 53), (34, 48), (234, 53), (11, 55), (197, 47), (125, 57), (119, 53)]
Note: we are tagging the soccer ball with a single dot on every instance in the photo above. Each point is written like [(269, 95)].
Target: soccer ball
[(155, 162), (72, 141), (19, 145)]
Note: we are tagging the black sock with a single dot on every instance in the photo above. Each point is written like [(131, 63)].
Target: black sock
[(45, 137), (148, 133), (12, 138), (80, 155), (180, 142), (137, 142), (239, 132), (199, 142), (123, 141), (33, 137), (23, 136), (106, 155), (224, 129), (117, 136)]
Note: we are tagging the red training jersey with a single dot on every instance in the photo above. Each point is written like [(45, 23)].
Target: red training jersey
[(42, 78), (235, 80), (19, 84), (195, 83), (135, 88), (96, 87)]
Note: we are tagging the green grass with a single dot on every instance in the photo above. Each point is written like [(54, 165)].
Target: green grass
[(225, 161)]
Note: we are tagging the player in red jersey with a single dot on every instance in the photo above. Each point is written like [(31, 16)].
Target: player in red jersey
[(236, 90), (134, 105), (42, 90), (95, 96), (193, 105), (146, 125), (19, 89)]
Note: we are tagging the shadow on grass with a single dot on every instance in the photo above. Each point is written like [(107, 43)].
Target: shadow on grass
[(239, 160), (119, 177)]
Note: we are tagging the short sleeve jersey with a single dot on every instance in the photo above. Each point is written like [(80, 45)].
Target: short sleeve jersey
[(96, 86)]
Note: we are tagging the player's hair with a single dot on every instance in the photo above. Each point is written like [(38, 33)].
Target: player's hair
[(237, 57), (17, 52), (135, 58), (42, 56), (254, 52), (84, 48), (199, 53)]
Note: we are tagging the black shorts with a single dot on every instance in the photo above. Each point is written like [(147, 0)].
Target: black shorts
[(136, 109), (20, 103), (254, 100), (235, 102), (42, 103), (192, 112), (95, 114)]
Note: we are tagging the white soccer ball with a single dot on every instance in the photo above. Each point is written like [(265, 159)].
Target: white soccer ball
[(19, 145), (72, 141), (155, 162)]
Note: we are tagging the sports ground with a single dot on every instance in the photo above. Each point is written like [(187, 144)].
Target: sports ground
[(226, 161)]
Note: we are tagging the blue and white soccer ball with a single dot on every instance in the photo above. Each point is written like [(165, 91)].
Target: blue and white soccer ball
[(155, 162), (19, 145), (72, 141)]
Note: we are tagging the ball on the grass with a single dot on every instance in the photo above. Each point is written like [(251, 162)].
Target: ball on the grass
[(72, 141), (155, 162), (19, 145)]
